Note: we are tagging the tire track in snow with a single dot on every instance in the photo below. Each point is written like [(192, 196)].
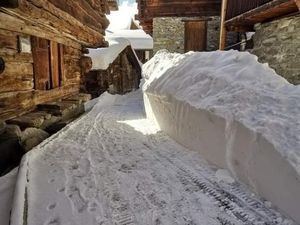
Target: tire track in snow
[(115, 174)]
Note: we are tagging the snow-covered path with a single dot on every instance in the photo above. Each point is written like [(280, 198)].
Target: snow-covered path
[(113, 166)]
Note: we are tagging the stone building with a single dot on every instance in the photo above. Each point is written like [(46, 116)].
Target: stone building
[(168, 33), (278, 44), (277, 32)]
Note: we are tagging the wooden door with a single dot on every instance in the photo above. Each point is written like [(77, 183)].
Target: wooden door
[(41, 66), (195, 35)]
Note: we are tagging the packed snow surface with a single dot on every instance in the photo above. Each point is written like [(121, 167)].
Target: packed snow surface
[(235, 86), (7, 187), (103, 57), (114, 166)]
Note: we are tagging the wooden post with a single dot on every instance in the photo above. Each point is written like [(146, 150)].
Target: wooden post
[(222, 26), (298, 3)]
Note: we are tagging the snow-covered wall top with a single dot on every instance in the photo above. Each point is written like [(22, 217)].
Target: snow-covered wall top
[(137, 38), (103, 57), (235, 86)]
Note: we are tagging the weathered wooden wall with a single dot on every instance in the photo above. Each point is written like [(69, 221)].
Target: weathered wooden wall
[(81, 21), (17, 93), (73, 24)]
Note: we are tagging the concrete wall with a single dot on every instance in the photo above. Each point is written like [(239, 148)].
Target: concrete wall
[(278, 43)]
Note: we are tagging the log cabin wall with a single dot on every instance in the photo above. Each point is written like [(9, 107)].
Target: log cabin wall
[(18, 93), (69, 24)]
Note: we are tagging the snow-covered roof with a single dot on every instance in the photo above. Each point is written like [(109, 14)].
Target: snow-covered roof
[(137, 38), (120, 24), (103, 57)]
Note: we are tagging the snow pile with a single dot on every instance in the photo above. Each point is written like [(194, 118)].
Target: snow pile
[(7, 187), (137, 38), (103, 57), (237, 112)]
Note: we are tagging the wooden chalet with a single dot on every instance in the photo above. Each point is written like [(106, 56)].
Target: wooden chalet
[(241, 15), (120, 76), (149, 9), (41, 49), (42, 45)]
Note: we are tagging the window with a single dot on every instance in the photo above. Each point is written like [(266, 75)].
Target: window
[(47, 63)]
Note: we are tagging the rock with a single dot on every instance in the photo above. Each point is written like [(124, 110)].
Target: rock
[(2, 127), (11, 131), (31, 137), (52, 129), (11, 153), (29, 120)]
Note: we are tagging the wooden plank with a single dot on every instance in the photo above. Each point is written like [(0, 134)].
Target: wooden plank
[(61, 64), (15, 24), (18, 103), (266, 12), (8, 41), (223, 32), (15, 57), (54, 65), (40, 52), (195, 35), (298, 3), (11, 84), (14, 69)]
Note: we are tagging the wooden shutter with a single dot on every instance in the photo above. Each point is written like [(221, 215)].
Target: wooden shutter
[(40, 53), (54, 62), (61, 64)]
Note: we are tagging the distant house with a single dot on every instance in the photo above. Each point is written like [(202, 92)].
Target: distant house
[(181, 26), (115, 69)]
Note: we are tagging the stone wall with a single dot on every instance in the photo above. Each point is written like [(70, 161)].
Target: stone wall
[(168, 33), (278, 43)]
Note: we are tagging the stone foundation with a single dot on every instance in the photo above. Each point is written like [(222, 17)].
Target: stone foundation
[(278, 44)]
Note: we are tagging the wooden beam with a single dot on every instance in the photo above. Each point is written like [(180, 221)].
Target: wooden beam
[(223, 31), (298, 3), (263, 13), (9, 3)]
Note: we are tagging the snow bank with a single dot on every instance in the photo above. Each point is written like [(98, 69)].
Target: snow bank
[(103, 57), (137, 38), (7, 187), (237, 112)]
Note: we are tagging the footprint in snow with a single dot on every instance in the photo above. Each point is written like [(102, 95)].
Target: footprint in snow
[(51, 206)]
